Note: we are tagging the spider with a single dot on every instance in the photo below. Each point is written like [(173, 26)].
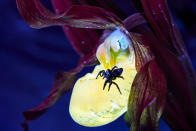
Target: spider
[(111, 75)]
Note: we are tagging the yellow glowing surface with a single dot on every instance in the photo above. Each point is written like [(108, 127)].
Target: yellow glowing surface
[(92, 106)]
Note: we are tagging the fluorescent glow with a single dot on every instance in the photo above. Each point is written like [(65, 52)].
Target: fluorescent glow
[(92, 106)]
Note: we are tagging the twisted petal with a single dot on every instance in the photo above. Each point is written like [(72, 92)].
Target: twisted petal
[(142, 50), (147, 92), (179, 78), (134, 20), (85, 41), (63, 83), (37, 16), (162, 23), (177, 67)]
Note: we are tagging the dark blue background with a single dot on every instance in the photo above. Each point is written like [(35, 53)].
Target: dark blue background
[(29, 59)]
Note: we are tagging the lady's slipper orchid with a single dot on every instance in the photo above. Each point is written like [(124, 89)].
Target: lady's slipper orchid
[(91, 105), (146, 56)]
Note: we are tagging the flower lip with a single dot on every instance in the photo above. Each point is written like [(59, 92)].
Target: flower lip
[(92, 106)]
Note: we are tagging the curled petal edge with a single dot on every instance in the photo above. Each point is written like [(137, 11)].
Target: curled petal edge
[(80, 16), (147, 97), (142, 50), (63, 83), (134, 20)]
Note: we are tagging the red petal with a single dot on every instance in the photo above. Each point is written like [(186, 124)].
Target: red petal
[(163, 25), (36, 15), (92, 17), (148, 91), (85, 41), (181, 82), (154, 22), (63, 83), (63, 5), (180, 107), (134, 21), (143, 52)]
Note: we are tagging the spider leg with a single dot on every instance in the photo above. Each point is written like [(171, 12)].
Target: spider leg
[(114, 68), (121, 77), (103, 76), (109, 85), (117, 87), (98, 75), (105, 84), (101, 73)]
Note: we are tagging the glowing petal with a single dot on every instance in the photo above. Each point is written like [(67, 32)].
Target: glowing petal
[(90, 105)]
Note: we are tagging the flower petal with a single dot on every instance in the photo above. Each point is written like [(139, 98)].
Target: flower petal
[(142, 49), (85, 41), (92, 17), (162, 23), (63, 5), (148, 91), (63, 83), (92, 106), (134, 21), (180, 81), (37, 16)]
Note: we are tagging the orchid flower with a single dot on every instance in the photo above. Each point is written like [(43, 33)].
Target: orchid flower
[(158, 79)]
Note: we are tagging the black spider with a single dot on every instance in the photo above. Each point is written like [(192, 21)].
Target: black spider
[(111, 75)]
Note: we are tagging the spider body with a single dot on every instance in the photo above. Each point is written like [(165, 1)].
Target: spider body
[(111, 75)]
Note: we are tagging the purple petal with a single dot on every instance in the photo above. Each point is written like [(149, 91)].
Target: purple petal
[(37, 16), (85, 41), (63, 83), (163, 25), (109, 5), (148, 91), (142, 50), (179, 111), (134, 21)]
